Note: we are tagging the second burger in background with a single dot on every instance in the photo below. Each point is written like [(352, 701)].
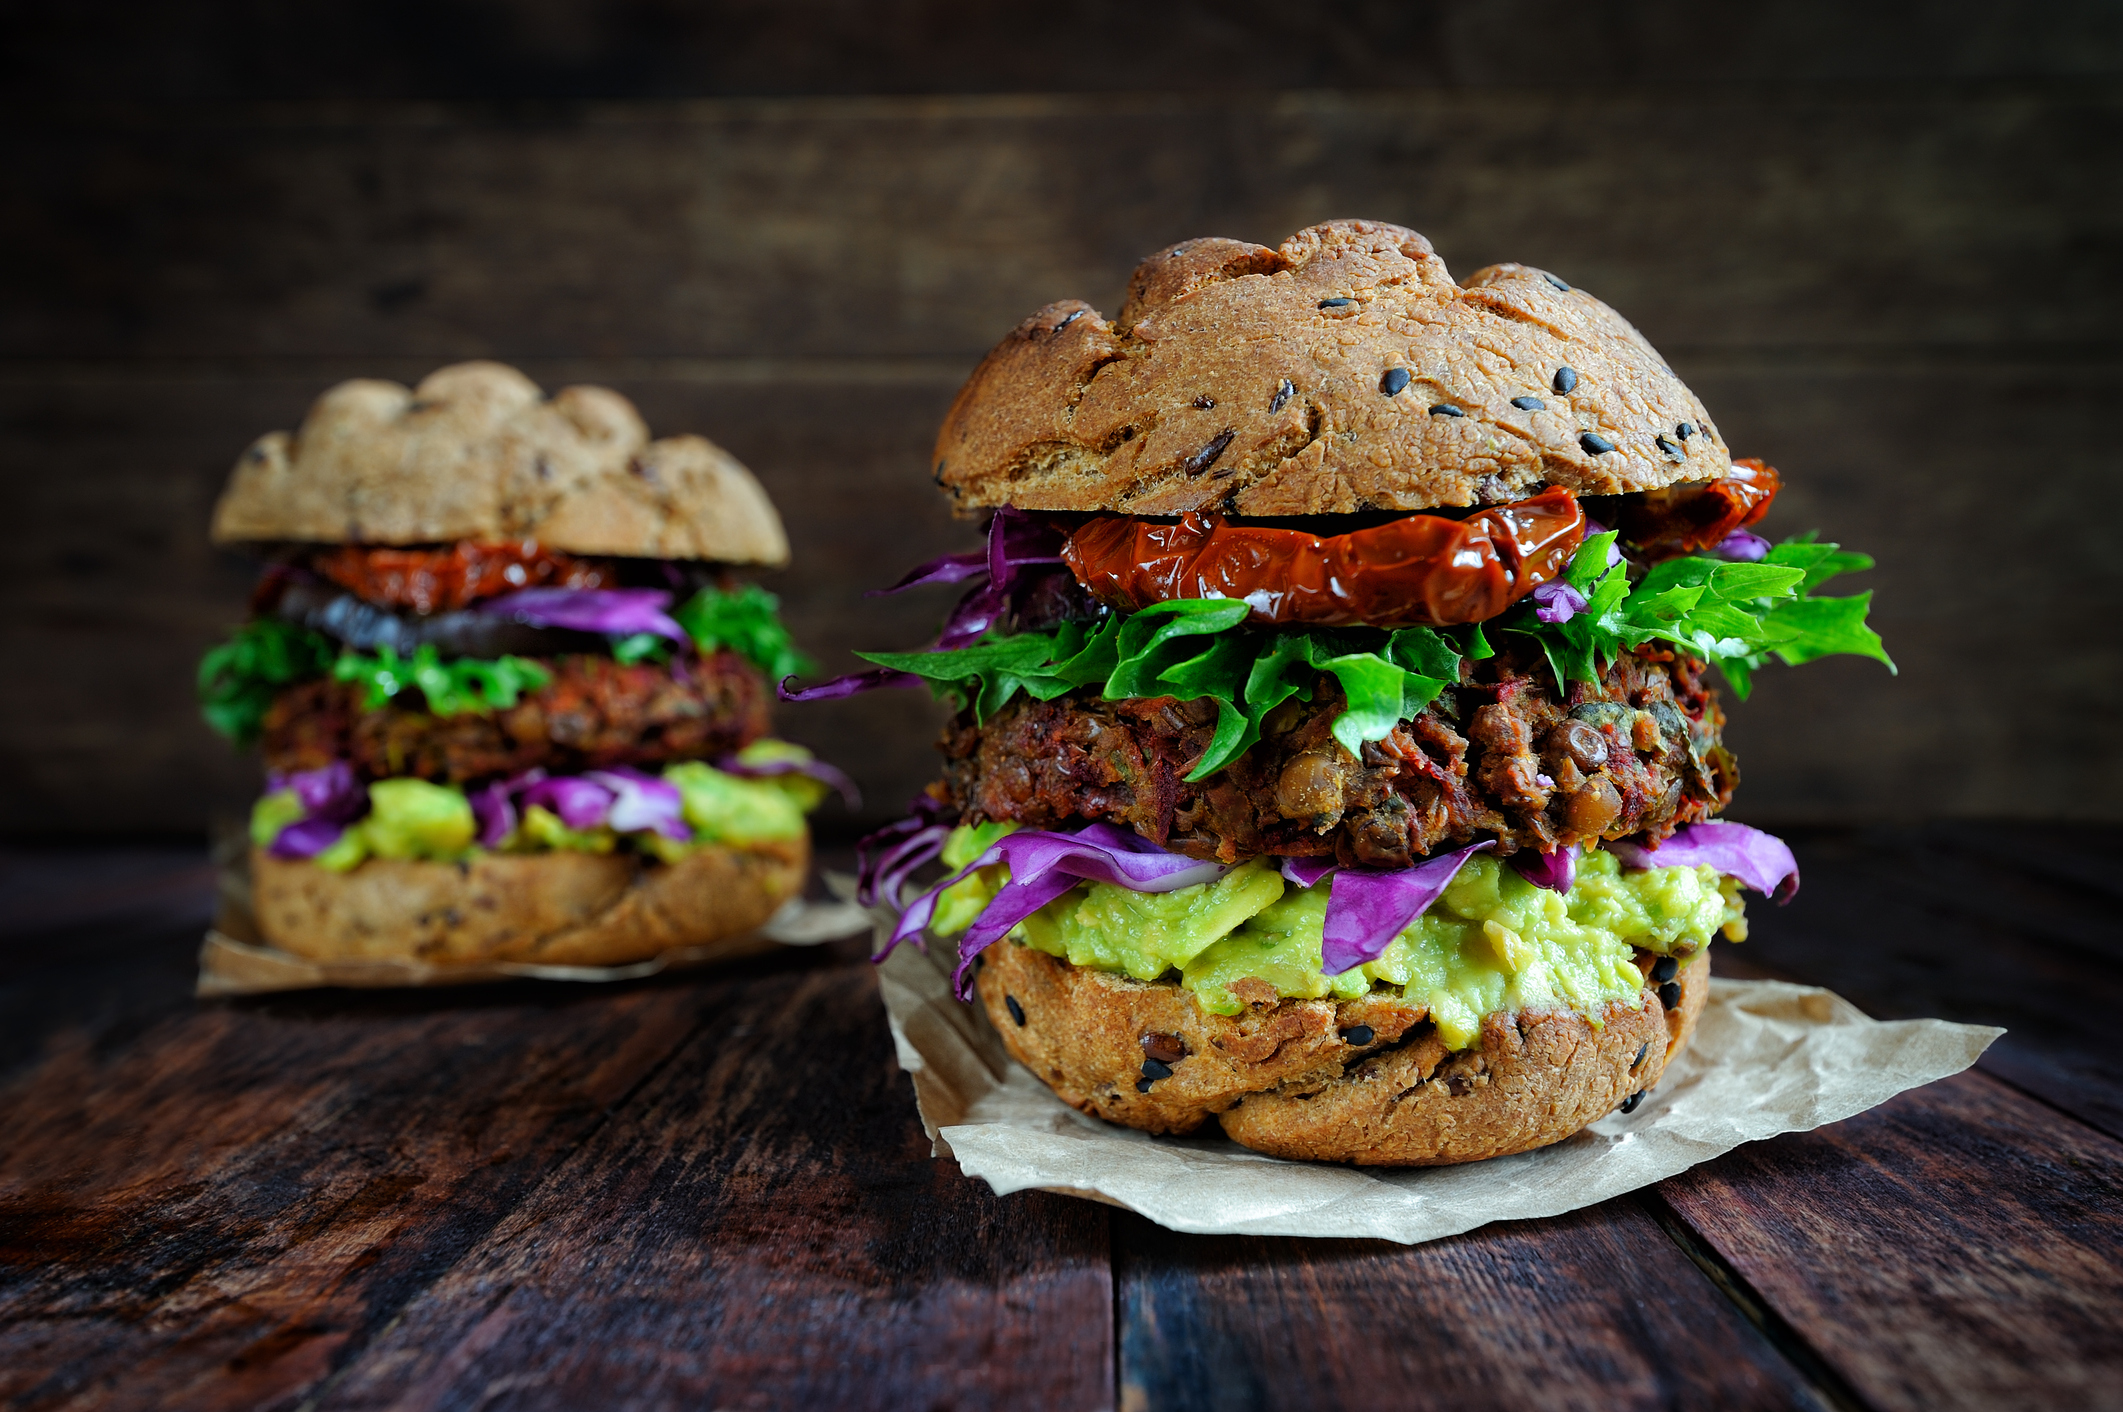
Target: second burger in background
[(513, 703)]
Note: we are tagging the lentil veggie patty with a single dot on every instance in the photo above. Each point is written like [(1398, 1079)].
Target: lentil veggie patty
[(595, 713), (1635, 754)]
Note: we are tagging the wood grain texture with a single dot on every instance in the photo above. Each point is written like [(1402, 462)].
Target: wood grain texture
[(1592, 1310), (1798, 221), (766, 1229), (1959, 1246), (213, 1206), (542, 50), (1971, 924), (712, 1191)]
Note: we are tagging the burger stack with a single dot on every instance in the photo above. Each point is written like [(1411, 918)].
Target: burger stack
[(1338, 745), (513, 700)]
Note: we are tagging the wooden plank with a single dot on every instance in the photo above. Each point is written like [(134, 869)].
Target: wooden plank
[(1959, 1246), (763, 1228), (216, 1205), (1596, 1309), (1904, 933), (228, 51), (1714, 218)]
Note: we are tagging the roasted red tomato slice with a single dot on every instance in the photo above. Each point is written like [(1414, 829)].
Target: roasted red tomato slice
[(1682, 519), (1421, 570), (440, 580)]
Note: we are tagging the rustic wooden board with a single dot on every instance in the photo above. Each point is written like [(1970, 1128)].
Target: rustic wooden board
[(1959, 1246), (1596, 1309), (1802, 220), (215, 1205), (304, 49), (686, 1192), (1932, 922), (765, 1228)]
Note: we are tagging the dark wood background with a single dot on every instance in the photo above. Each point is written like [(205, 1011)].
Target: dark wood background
[(1884, 243)]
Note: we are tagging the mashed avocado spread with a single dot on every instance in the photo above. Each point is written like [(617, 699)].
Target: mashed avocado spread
[(409, 818), (1493, 942)]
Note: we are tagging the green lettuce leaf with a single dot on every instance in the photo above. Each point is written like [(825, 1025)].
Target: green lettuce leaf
[(454, 688), (748, 622), (1198, 649), (1736, 615), (238, 679)]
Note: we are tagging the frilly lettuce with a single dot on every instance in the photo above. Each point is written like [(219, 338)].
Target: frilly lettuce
[(1736, 614)]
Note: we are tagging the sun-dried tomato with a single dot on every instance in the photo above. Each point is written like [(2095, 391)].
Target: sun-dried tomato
[(439, 580), (1422, 569), (1682, 519)]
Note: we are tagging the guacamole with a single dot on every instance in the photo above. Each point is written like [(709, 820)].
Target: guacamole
[(1492, 942), (411, 818)]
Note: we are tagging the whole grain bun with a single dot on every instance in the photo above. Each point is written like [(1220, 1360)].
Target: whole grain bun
[(1257, 381), (1281, 1078), (478, 452), (559, 908)]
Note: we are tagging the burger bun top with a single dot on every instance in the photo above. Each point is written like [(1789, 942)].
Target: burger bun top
[(1342, 371), (478, 452)]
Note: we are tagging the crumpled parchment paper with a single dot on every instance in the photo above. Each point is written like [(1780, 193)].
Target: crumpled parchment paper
[(1767, 1058)]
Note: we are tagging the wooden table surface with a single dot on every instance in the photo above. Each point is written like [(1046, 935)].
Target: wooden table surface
[(712, 1191)]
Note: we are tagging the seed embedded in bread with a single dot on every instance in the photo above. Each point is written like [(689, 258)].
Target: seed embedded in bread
[(1073, 412), (478, 452), (1292, 1078)]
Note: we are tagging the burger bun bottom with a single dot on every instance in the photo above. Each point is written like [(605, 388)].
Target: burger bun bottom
[(1365, 1081), (558, 908)]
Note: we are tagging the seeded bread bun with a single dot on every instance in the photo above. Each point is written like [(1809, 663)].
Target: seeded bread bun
[(1285, 1077), (478, 452), (1343, 371), (560, 908)]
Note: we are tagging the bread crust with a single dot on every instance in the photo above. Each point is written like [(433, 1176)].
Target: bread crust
[(1228, 382), (560, 908), (1281, 1078), (478, 452)]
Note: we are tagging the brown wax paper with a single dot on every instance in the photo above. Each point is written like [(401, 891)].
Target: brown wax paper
[(235, 960), (1767, 1058)]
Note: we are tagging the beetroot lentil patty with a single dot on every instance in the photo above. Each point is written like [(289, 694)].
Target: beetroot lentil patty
[(594, 713), (1635, 754)]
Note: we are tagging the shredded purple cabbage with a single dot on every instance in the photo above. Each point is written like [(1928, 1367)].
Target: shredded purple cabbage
[(1746, 547), (1306, 872), (1023, 553), (1593, 530), (1043, 866), (306, 838), (945, 568), (818, 770), (494, 806), (887, 859), (332, 796), (1557, 602), (579, 803), (1759, 860), (1367, 910), (332, 792), (618, 612), (853, 684), (642, 803), (1557, 871)]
